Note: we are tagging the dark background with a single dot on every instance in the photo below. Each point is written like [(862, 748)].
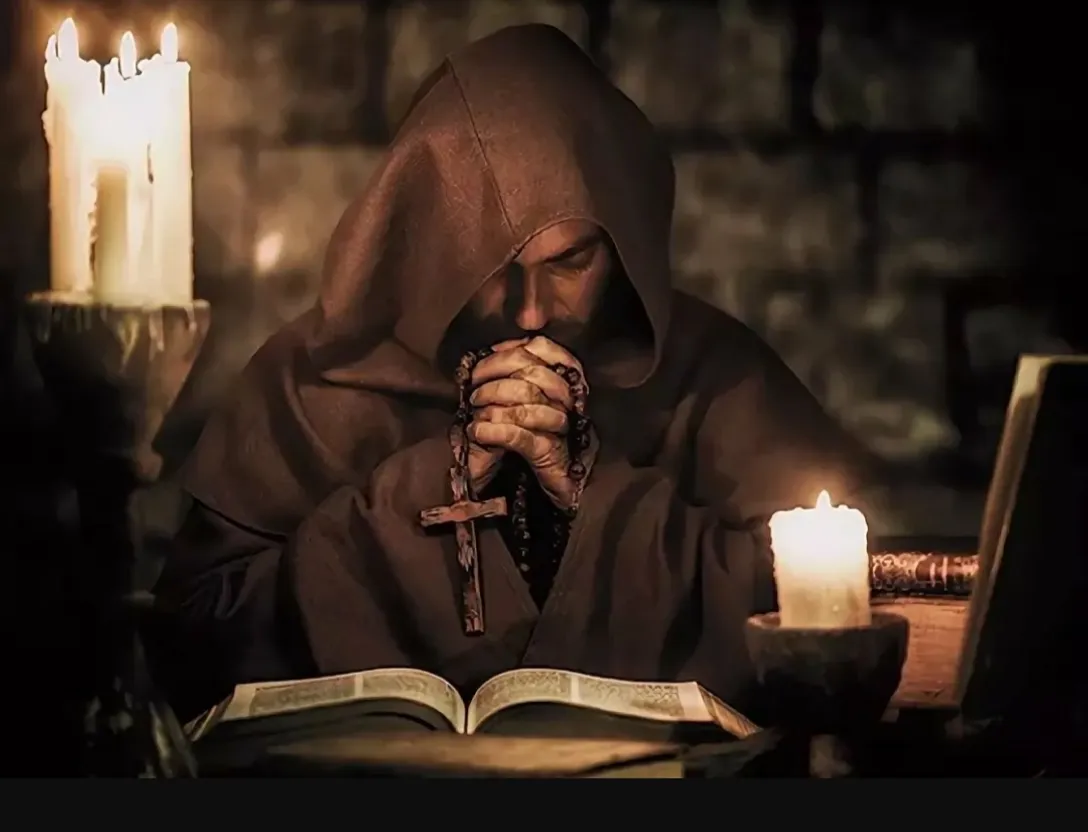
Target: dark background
[(890, 193)]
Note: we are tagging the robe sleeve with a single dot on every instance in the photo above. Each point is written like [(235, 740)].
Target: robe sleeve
[(242, 606)]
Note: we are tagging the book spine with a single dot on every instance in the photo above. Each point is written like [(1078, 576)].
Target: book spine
[(923, 573)]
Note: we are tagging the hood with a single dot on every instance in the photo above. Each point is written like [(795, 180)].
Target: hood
[(515, 133)]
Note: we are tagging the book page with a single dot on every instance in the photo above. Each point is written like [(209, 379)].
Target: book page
[(660, 701), (1017, 448), (200, 725), (270, 698), (729, 718), (1012, 455)]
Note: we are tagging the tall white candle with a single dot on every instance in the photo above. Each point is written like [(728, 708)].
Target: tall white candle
[(821, 566), (172, 171), (114, 277), (123, 199), (73, 86)]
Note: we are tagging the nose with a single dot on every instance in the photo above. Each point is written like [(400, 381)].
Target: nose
[(531, 312)]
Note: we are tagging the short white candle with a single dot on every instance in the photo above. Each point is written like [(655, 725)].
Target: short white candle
[(821, 566)]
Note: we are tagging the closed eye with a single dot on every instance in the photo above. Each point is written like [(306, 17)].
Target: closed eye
[(577, 256), (574, 248), (578, 260)]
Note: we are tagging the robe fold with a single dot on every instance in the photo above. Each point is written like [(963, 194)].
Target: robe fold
[(302, 553)]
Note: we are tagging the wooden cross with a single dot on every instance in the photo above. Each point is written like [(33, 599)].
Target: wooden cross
[(462, 513)]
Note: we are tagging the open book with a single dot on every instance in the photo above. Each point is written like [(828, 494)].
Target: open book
[(530, 701)]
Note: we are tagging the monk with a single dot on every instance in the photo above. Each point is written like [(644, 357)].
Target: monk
[(524, 206)]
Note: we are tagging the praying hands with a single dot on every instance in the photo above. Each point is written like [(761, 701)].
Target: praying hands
[(523, 403)]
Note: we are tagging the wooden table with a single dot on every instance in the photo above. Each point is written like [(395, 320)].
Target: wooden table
[(936, 636)]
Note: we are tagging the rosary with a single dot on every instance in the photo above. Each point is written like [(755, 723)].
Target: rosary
[(465, 509)]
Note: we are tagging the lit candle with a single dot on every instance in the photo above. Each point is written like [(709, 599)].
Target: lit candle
[(123, 189), (821, 566), (120, 164), (172, 171), (73, 86)]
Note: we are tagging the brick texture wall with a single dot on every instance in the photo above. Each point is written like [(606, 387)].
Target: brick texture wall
[(834, 178)]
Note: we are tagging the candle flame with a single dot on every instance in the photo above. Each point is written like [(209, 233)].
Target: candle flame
[(127, 55), (51, 48), (67, 40), (823, 501), (168, 43)]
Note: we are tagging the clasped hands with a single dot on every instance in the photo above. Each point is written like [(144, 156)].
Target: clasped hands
[(521, 405)]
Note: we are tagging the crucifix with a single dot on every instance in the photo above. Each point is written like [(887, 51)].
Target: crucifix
[(463, 512)]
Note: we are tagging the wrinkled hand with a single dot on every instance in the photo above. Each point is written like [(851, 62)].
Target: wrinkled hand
[(484, 459), (521, 405)]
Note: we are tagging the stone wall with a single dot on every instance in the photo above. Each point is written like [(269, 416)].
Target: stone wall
[(834, 174)]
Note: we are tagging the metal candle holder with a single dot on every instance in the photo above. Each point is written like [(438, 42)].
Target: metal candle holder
[(829, 687), (113, 373)]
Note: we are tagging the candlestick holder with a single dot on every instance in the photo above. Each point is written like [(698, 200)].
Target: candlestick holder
[(113, 373), (829, 688)]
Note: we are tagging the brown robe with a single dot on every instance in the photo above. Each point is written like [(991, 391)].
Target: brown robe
[(303, 554)]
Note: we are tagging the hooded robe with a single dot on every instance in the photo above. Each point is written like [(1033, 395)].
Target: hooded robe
[(303, 553)]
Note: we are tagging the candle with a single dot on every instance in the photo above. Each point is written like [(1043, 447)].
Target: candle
[(172, 171), (120, 163), (123, 187), (72, 85), (821, 566), (114, 279)]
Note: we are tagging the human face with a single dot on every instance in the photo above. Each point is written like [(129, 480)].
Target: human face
[(552, 288)]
